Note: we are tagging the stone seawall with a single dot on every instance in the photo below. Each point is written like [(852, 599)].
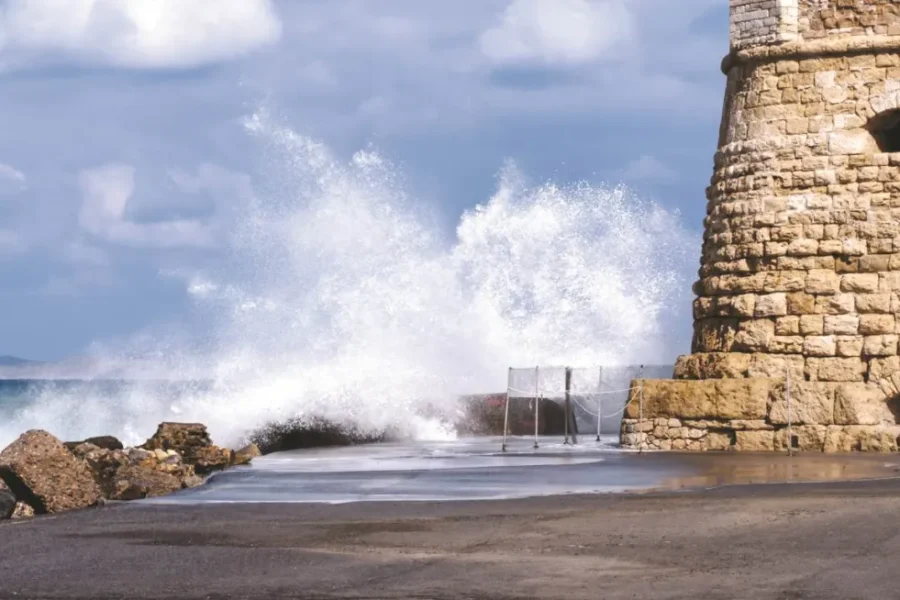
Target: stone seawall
[(754, 415)]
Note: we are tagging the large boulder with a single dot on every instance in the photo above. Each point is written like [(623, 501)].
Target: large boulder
[(184, 438), (134, 482), (108, 467), (7, 501), (192, 442), (107, 442), (43, 473), (246, 454)]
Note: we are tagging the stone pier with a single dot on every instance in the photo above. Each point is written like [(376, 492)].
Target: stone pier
[(799, 284)]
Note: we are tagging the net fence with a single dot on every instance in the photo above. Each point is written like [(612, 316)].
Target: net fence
[(598, 395)]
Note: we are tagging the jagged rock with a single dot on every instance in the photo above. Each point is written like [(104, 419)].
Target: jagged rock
[(40, 471), (184, 438), (7, 501), (134, 482), (23, 511), (104, 464), (191, 481), (192, 442), (246, 454), (211, 458), (107, 465), (107, 442)]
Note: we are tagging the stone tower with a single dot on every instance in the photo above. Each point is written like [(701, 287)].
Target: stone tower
[(799, 283)]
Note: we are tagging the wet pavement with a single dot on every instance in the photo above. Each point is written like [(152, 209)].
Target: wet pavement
[(476, 469)]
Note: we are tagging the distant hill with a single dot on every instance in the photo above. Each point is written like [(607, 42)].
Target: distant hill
[(13, 361)]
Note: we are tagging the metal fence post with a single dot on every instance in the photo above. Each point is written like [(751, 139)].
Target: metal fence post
[(537, 399), (641, 408), (790, 432), (599, 402), (506, 410)]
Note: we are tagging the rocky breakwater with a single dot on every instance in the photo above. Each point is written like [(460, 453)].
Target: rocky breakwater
[(40, 474)]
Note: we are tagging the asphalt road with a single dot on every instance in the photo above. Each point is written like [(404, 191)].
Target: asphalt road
[(837, 540)]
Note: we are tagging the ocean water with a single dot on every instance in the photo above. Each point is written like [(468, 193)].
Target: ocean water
[(342, 296)]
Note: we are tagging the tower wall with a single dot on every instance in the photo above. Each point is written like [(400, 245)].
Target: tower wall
[(800, 267)]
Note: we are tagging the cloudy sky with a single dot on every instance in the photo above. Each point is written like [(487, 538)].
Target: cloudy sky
[(123, 149)]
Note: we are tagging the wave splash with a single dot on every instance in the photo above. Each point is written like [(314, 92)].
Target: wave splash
[(343, 301)]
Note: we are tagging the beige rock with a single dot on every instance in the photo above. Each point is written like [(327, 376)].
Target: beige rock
[(23, 511), (806, 438), (859, 282), (721, 399), (717, 441), (774, 366), (861, 438), (754, 441), (812, 324), (836, 304), (873, 303), (800, 303), (37, 466), (883, 367), (876, 324), (811, 403), (861, 404), (787, 325), (754, 335), (820, 346), (771, 305), (826, 282), (880, 345), (848, 346), (841, 324), (835, 369)]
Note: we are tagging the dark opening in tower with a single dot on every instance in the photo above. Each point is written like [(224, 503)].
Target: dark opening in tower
[(885, 128)]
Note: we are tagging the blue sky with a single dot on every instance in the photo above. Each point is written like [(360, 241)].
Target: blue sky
[(123, 147)]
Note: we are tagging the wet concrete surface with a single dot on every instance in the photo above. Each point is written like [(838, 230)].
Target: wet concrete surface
[(476, 469), (711, 526), (778, 541)]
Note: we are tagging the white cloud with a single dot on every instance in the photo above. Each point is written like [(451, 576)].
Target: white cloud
[(11, 179), (80, 253), (557, 32), (106, 191), (649, 169), (141, 34), (10, 242)]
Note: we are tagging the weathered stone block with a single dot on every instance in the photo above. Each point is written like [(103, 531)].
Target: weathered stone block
[(820, 346), (825, 282), (787, 325), (859, 283), (841, 324), (771, 305), (876, 324), (754, 335), (801, 303), (861, 439), (714, 335), (835, 369), (873, 303), (812, 325), (836, 304), (754, 441), (810, 403), (848, 346), (862, 404), (806, 438), (880, 368), (880, 345), (721, 399), (776, 366)]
